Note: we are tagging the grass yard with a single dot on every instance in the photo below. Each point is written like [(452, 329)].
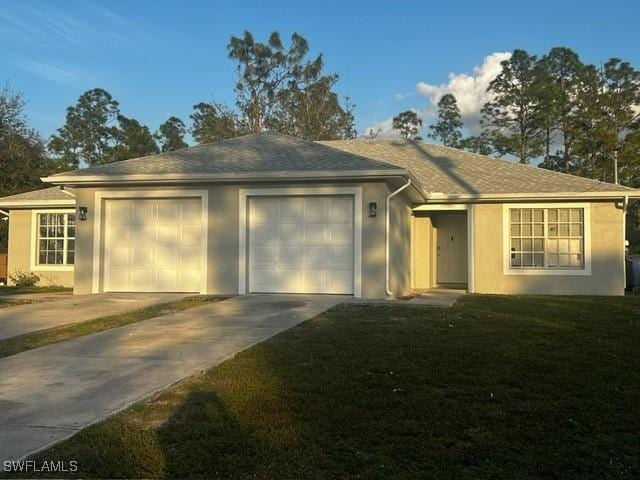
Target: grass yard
[(29, 341), (496, 387), (9, 290)]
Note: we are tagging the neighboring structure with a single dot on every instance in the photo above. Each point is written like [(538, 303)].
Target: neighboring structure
[(272, 213)]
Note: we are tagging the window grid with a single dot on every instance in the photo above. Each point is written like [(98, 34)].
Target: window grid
[(56, 239), (550, 238)]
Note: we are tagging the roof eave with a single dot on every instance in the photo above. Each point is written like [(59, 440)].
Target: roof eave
[(510, 197), (225, 177), (37, 203)]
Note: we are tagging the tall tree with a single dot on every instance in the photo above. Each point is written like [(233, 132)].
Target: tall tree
[(171, 134), (133, 140), (477, 144), (23, 158), (89, 133), (408, 123), (278, 88), (558, 77), (511, 117), (447, 128), (215, 121)]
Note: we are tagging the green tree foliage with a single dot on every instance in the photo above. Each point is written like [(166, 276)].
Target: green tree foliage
[(511, 117), (23, 157), (447, 128), (132, 140), (215, 121), (408, 124), (171, 134), (476, 144), (278, 88), (89, 134)]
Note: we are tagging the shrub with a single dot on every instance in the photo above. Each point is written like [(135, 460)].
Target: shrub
[(24, 279)]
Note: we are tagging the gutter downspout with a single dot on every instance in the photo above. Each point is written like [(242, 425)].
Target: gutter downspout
[(386, 246), (64, 190), (5, 213), (625, 206)]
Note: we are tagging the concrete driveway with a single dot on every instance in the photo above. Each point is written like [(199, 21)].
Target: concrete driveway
[(66, 309), (48, 394)]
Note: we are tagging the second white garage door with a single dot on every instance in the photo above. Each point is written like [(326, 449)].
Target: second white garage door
[(301, 244), (153, 245)]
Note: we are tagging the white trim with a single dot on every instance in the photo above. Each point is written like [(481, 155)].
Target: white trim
[(98, 224), (439, 207), (586, 271), (435, 198), (33, 251), (244, 193), (253, 176), (38, 203), (471, 269)]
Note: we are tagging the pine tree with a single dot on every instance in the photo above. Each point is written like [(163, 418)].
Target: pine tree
[(447, 128)]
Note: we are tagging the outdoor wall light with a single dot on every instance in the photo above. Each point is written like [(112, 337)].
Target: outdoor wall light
[(82, 213), (373, 209)]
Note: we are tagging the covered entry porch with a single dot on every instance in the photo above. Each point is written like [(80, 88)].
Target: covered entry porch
[(442, 253)]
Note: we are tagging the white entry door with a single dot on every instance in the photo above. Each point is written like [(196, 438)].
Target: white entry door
[(452, 247), (301, 244), (153, 245)]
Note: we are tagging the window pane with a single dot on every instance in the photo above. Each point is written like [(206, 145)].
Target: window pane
[(563, 214), (538, 229), (527, 245), (515, 244), (516, 260), (42, 258), (552, 260), (526, 215), (526, 230), (563, 245), (538, 260), (538, 215), (575, 260), (563, 260), (576, 229), (576, 215), (515, 230), (553, 215), (575, 246), (70, 257), (527, 260), (515, 215), (538, 244), (563, 230), (553, 230)]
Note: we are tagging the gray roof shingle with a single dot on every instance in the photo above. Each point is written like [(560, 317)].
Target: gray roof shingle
[(259, 153), (457, 172), (35, 196)]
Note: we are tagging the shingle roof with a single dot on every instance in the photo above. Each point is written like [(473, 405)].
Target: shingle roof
[(43, 195), (456, 172), (259, 153)]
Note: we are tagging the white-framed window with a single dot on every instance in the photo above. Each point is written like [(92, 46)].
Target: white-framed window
[(55, 238), (548, 239)]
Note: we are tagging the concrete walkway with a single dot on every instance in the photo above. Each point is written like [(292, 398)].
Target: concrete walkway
[(48, 394), (20, 319), (433, 297)]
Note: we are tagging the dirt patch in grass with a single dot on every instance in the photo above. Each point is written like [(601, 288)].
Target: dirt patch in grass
[(29, 341)]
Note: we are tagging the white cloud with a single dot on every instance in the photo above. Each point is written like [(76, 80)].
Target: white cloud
[(470, 90), (59, 73)]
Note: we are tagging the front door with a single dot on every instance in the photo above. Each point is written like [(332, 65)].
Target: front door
[(451, 247)]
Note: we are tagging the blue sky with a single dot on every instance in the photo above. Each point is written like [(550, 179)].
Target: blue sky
[(160, 58)]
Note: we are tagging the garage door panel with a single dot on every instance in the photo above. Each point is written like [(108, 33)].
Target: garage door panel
[(305, 245), (153, 245)]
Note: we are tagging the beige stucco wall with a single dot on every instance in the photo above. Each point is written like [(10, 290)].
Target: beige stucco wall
[(20, 251), (607, 252), (223, 237)]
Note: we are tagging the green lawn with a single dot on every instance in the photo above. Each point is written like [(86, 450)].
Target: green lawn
[(496, 387), (29, 341), (8, 290)]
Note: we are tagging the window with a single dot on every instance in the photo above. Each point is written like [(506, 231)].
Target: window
[(56, 238), (547, 238)]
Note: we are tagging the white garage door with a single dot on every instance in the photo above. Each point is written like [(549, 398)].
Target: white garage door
[(153, 245), (301, 244)]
